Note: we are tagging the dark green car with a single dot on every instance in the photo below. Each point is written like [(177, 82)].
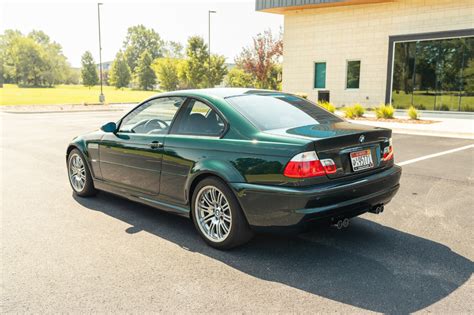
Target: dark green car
[(238, 161)]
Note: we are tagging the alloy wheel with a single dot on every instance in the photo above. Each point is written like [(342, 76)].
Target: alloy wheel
[(213, 214), (77, 172)]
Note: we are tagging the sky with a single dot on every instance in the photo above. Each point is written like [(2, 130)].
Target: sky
[(73, 24)]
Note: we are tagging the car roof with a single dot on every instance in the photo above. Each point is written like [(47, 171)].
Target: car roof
[(218, 92)]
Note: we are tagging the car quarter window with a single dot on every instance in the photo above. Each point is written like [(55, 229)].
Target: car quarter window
[(198, 118), (152, 117)]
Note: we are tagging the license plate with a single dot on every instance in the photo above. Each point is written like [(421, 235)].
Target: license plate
[(361, 160)]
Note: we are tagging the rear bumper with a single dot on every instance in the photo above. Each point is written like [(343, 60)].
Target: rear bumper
[(268, 207)]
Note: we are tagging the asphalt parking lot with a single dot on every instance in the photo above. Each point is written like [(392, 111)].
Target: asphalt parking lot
[(105, 254)]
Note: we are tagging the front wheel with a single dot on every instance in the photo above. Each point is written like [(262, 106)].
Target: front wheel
[(79, 175), (218, 216)]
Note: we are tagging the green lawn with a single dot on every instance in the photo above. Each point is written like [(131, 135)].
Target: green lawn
[(68, 94)]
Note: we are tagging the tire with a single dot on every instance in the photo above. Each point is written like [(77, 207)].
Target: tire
[(76, 164), (207, 213)]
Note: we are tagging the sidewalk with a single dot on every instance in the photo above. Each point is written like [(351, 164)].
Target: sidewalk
[(443, 127)]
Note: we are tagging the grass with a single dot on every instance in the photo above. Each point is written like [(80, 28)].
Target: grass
[(68, 94), (402, 100)]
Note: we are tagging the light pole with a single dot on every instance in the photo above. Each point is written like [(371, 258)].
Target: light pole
[(101, 96), (209, 40)]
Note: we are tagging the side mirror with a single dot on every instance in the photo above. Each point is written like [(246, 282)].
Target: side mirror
[(109, 127)]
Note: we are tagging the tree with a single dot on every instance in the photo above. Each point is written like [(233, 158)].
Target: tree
[(72, 76), (32, 60), (89, 70), (139, 39), (40, 37), (8, 41), (120, 75), (27, 62), (237, 77), (216, 71), (55, 64), (195, 68), (145, 75), (262, 58), (167, 71), (173, 49)]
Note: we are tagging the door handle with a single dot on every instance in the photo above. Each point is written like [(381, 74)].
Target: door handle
[(156, 145)]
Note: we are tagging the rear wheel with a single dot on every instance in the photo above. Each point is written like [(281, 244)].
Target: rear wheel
[(218, 216), (79, 175)]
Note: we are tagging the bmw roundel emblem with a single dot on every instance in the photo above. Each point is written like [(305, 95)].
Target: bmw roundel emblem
[(361, 138)]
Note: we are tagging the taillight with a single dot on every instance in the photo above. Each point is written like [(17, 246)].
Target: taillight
[(329, 166), (387, 154), (307, 164)]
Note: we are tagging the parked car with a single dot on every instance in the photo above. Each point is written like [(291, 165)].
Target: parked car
[(237, 161)]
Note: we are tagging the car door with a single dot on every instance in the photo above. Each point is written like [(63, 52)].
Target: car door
[(197, 128), (131, 157)]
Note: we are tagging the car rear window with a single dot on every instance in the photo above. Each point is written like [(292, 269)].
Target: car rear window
[(278, 111)]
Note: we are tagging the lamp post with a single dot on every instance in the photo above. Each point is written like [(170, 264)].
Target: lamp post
[(101, 96), (209, 40)]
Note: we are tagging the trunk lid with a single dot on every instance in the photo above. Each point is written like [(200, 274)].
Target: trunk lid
[(338, 140)]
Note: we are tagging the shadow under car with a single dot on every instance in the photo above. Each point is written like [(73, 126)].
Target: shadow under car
[(370, 266)]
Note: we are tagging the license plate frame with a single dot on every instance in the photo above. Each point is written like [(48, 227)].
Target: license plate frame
[(361, 160)]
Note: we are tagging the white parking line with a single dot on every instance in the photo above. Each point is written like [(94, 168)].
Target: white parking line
[(435, 155)]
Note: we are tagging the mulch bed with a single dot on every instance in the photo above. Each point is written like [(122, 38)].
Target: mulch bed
[(399, 120)]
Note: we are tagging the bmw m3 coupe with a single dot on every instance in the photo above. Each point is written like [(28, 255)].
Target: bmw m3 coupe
[(236, 161)]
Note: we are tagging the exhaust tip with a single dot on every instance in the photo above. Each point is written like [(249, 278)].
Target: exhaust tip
[(345, 222), (377, 209)]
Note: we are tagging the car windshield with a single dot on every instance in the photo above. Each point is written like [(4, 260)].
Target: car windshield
[(278, 111)]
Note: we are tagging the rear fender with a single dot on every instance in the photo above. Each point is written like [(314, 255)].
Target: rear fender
[(219, 168)]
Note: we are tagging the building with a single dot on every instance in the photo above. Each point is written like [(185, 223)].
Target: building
[(106, 65), (404, 52)]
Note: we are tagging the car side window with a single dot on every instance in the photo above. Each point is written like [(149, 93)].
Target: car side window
[(199, 119), (152, 117)]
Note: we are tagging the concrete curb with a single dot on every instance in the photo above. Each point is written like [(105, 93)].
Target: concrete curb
[(68, 108)]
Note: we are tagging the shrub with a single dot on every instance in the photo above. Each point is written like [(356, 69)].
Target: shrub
[(358, 110), (384, 111), (328, 106), (354, 111), (349, 112), (420, 107), (412, 113), (444, 107)]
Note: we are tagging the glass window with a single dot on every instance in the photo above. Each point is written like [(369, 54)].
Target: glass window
[(403, 78), (466, 101), (199, 119), (152, 117), (353, 74), (320, 75), (277, 111), (434, 74)]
